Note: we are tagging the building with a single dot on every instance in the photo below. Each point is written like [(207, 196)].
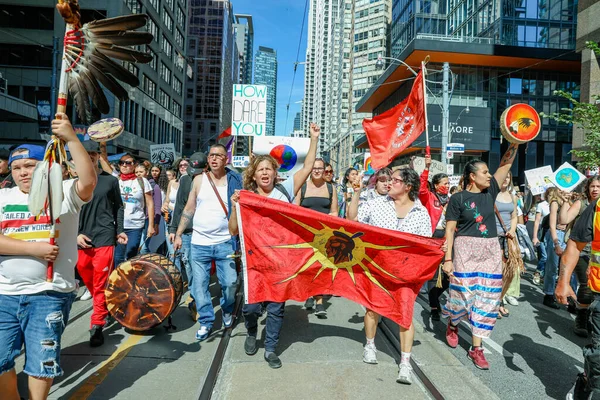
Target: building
[(265, 73), (214, 67), (500, 53), (245, 44), (298, 121), (588, 29), (299, 134), (32, 45), (353, 72)]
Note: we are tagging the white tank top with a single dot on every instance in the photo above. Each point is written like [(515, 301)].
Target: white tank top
[(173, 197), (210, 221)]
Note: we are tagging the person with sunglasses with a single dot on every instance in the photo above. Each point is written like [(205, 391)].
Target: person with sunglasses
[(328, 174), (317, 194), (136, 194)]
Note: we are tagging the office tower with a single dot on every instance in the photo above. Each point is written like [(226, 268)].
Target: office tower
[(298, 121), (245, 44), (265, 73)]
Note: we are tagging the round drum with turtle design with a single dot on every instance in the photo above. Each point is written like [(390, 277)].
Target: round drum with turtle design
[(106, 129), (520, 123)]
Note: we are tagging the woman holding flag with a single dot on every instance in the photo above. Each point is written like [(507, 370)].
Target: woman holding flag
[(473, 258), (261, 178)]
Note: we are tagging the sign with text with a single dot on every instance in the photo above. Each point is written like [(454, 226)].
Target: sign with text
[(163, 154), (249, 111), (538, 179), (454, 180), (455, 147), (418, 164), (289, 152), (240, 161)]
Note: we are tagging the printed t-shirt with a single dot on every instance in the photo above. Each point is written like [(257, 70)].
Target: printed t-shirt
[(21, 275), (474, 212), (133, 199)]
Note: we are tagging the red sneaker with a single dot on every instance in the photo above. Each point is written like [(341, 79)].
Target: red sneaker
[(452, 335), (476, 355)]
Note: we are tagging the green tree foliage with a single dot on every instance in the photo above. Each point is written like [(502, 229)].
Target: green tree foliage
[(587, 117)]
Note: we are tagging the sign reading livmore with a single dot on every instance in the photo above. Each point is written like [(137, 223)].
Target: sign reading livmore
[(249, 111)]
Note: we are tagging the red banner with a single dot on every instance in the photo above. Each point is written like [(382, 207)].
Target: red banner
[(396, 129), (292, 253)]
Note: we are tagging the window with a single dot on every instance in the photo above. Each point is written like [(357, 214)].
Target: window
[(154, 4), (181, 17), (165, 73), (134, 5), (177, 86), (167, 46), (154, 62), (167, 20), (170, 4), (179, 39), (25, 55), (149, 86), (176, 108), (131, 68), (164, 99), (152, 28), (18, 16)]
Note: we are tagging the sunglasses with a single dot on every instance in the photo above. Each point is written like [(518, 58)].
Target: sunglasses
[(328, 172), (128, 162)]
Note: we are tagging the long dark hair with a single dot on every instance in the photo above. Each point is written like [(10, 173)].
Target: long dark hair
[(410, 177), (588, 183), (470, 168), (437, 178), (347, 176)]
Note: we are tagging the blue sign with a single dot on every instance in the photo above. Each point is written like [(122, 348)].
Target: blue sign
[(455, 147)]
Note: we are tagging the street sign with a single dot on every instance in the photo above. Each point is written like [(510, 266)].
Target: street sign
[(449, 155), (455, 147), (450, 169)]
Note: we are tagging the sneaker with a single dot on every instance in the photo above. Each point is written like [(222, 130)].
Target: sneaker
[(435, 314), (273, 360), (370, 354), (476, 355), (86, 295), (511, 300), (203, 333), (309, 304), (405, 374), (320, 311), (250, 345), (581, 322), (96, 336), (537, 278), (549, 301), (452, 335), (227, 320), (579, 391)]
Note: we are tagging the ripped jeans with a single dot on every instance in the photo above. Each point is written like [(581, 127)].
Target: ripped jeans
[(36, 321)]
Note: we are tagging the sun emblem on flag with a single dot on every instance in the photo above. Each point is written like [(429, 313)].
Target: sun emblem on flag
[(338, 249)]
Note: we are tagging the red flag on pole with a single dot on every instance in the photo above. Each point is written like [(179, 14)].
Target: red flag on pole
[(396, 129), (225, 133), (292, 253)]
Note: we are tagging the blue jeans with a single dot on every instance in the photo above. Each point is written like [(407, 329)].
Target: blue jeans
[(124, 252), (542, 257), (552, 263), (275, 313), (38, 322), (202, 258)]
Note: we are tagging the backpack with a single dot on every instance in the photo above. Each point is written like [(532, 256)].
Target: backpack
[(329, 189), (283, 190)]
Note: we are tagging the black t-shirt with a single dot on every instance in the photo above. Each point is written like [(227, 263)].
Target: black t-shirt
[(102, 218), (583, 230), (474, 212)]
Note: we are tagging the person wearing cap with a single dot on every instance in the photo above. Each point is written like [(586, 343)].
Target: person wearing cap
[(100, 228), (194, 166), (207, 211), (6, 180), (34, 311)]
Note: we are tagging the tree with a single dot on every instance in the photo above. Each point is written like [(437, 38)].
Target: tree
[(585, 116)]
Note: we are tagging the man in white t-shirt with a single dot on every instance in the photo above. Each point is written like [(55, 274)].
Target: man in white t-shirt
[(34, 311), (207, 211)]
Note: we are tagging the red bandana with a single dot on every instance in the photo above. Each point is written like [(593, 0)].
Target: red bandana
[(127, 177)]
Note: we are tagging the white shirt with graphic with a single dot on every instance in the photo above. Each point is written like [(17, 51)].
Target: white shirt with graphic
[(133, 200), (20, 275)]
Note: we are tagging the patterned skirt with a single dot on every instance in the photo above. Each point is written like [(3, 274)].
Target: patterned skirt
[(475, 294)]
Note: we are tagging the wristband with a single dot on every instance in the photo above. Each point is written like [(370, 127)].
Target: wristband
[(447, 261)]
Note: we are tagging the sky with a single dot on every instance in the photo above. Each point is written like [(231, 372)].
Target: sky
[(277, 24)]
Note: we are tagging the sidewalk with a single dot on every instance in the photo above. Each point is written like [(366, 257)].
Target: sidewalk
[(322, 358)]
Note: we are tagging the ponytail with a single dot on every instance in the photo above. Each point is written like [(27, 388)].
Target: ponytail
[(470, 168)]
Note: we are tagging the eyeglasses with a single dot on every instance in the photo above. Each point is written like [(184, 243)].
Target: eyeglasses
[(328, 172), (384, 179), (318, 169), (128, 162), (397, 180), (216, 155), (183, 166)]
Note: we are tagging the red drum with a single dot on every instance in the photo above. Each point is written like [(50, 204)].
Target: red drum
[(520, 123)]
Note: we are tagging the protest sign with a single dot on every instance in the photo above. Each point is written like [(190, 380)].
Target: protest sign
[(289, 152), (163, 154), (367, 164), (538, 179), (418, 164), (566, 177), (240, 161), (454, 180), (249, 110)]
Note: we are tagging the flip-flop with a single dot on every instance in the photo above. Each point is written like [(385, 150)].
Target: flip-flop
[(503, 314)]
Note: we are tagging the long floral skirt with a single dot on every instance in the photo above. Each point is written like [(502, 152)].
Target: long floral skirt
[(476, 286)]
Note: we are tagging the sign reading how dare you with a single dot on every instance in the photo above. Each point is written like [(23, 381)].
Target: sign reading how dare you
[(249, 112)]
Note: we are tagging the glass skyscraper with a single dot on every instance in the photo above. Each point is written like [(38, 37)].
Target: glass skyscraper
[(265, 73)]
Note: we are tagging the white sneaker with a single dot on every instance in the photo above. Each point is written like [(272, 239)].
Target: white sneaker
[(511, 300), (405, 374), (227, 320), (86, 295), (370, 354)]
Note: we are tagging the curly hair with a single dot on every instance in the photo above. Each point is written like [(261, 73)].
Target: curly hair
[(410, 178), (552, 194), (248, 178), (163, 180)]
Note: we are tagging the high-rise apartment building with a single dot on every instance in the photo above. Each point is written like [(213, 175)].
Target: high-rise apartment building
[(245, 44), (265, 73), (500, 53), (298, 121), (153, 113), (215, 64)]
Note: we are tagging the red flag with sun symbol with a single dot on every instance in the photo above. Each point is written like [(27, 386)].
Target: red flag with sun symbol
[(292, 253), (396, 129)]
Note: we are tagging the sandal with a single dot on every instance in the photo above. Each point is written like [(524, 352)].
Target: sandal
[(502, 312)]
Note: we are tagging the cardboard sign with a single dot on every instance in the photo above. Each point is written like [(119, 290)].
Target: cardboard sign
[(538, 179), (367, 164), (289, 152), (163, 154), (240, 161), (249, 110), (436, 167), (567, 177)]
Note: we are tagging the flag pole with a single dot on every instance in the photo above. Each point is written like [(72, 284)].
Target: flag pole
[(424, 72)]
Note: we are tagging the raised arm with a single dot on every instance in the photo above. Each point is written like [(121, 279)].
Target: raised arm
[(233, 222), (506, 163), (302, 175), (568, 212), (104, 163), (352, 211)]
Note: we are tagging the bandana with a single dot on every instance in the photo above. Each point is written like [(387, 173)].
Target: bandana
[(127, 177)]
